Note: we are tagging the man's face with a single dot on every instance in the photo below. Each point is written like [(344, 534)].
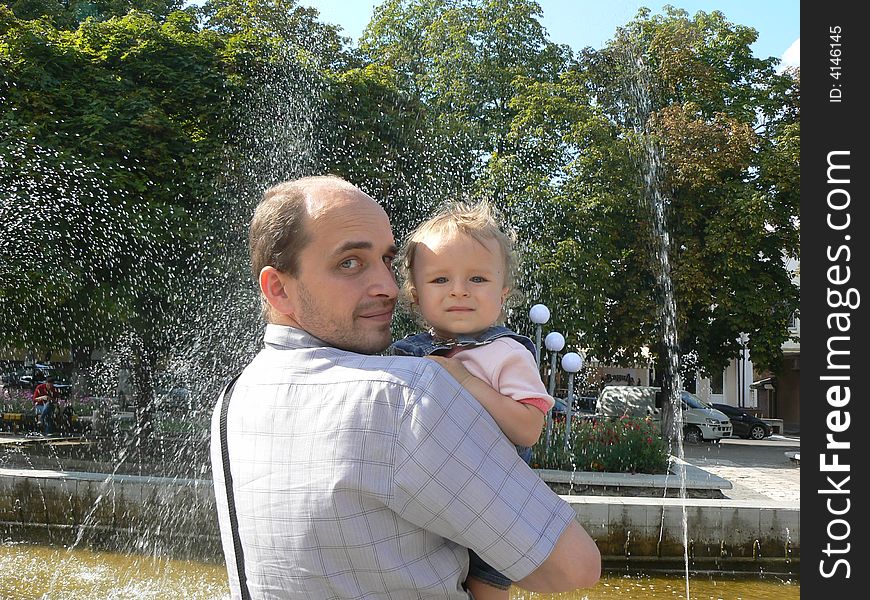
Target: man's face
[(345, 291)]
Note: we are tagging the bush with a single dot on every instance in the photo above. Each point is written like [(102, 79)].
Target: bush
[(17, 400), (624, 445)]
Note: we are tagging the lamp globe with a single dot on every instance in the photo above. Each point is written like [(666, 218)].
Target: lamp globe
[(554, 341)]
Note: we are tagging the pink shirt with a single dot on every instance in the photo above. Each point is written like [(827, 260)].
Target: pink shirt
[(508, 367)]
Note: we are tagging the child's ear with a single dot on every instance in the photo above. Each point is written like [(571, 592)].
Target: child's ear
[(412, 292), (504, 294)]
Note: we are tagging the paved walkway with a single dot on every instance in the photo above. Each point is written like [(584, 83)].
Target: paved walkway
[(751, 483), (763, 471)]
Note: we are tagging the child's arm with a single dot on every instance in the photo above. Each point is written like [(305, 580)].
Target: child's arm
[(521, 423)]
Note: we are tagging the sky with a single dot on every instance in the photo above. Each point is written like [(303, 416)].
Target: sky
[(582, 23)]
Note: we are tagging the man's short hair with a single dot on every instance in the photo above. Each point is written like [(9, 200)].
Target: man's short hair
[(278, 233), (49, 379)]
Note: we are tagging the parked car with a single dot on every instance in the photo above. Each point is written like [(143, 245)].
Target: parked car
[(173, 398), (43, 371), (746, 425), (582, 405), (700, 420), (30, 377), (17, 379)]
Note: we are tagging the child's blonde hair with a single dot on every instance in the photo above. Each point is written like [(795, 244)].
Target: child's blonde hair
[(481, 222)]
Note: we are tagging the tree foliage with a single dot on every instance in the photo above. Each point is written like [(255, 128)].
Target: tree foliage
[(69, 14), (106, 130), (136, 133), (721, 121)]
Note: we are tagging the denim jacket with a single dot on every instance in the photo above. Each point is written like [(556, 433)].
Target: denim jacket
[(424, 344)]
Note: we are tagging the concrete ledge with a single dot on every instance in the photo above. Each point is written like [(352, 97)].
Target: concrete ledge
[(105, 477), (177, 516), (720, 531), (696, 479), (776, 425), (126, 513)]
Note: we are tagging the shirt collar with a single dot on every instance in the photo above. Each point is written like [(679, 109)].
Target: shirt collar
[(284, 336)]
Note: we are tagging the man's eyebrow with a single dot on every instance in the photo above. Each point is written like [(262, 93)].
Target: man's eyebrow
[(351, 245), (362, 245)]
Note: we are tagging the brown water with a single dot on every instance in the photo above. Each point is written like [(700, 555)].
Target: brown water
[(30, 572)]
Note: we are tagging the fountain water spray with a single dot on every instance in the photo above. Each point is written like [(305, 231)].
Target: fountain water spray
[(638, 87)]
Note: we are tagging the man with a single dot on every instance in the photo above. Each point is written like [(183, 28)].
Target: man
[(45, 396), (355, 475)]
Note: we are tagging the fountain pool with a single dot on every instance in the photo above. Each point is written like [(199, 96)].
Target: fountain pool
[(30, 572)]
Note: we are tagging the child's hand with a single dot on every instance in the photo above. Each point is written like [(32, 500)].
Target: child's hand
[(454, 367)]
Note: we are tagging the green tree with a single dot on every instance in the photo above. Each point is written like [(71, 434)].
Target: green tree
[(110, 130), (725, 124), (387, 142), (461, 60), (68, 14)]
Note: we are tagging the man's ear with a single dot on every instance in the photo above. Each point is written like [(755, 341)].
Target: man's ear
[(278, 289)]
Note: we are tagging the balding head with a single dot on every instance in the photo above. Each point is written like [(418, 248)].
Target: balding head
[(277, 233), (284, 222)]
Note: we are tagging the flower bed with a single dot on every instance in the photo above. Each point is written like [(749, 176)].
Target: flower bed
[(21, 401), (625, 445)]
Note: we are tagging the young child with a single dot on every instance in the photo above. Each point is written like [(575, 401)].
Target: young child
[(458, 271)]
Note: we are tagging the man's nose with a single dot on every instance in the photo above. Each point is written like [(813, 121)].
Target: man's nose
[(384, 283)]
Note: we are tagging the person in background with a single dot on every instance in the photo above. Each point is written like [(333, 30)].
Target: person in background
[(458, 270), (347, 474), (45, 398)]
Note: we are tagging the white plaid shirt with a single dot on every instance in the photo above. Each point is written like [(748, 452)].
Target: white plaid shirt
[(361, 476)]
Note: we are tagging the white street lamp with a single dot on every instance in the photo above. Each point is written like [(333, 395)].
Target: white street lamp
[(741, 371), (538, 314), (554, 342), (571, 363)]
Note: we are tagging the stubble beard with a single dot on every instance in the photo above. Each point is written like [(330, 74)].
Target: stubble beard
[(342, 332)]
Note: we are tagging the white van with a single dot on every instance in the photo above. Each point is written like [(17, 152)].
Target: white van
[(700, 420)]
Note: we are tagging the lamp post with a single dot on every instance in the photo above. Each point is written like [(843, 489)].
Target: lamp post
[(554, 342), (741, 372), (571, 363), (538, 314), (593, 378)]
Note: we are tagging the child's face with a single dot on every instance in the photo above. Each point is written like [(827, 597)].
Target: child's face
[(459, 283)]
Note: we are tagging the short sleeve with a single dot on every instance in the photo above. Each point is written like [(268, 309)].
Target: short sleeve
[(508, 367), (458, 476)]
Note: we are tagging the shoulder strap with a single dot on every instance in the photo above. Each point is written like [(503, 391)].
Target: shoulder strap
[(228, 479)]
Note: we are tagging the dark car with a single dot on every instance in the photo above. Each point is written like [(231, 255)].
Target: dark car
[(583, 406), (30, 377), (745, 425)]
